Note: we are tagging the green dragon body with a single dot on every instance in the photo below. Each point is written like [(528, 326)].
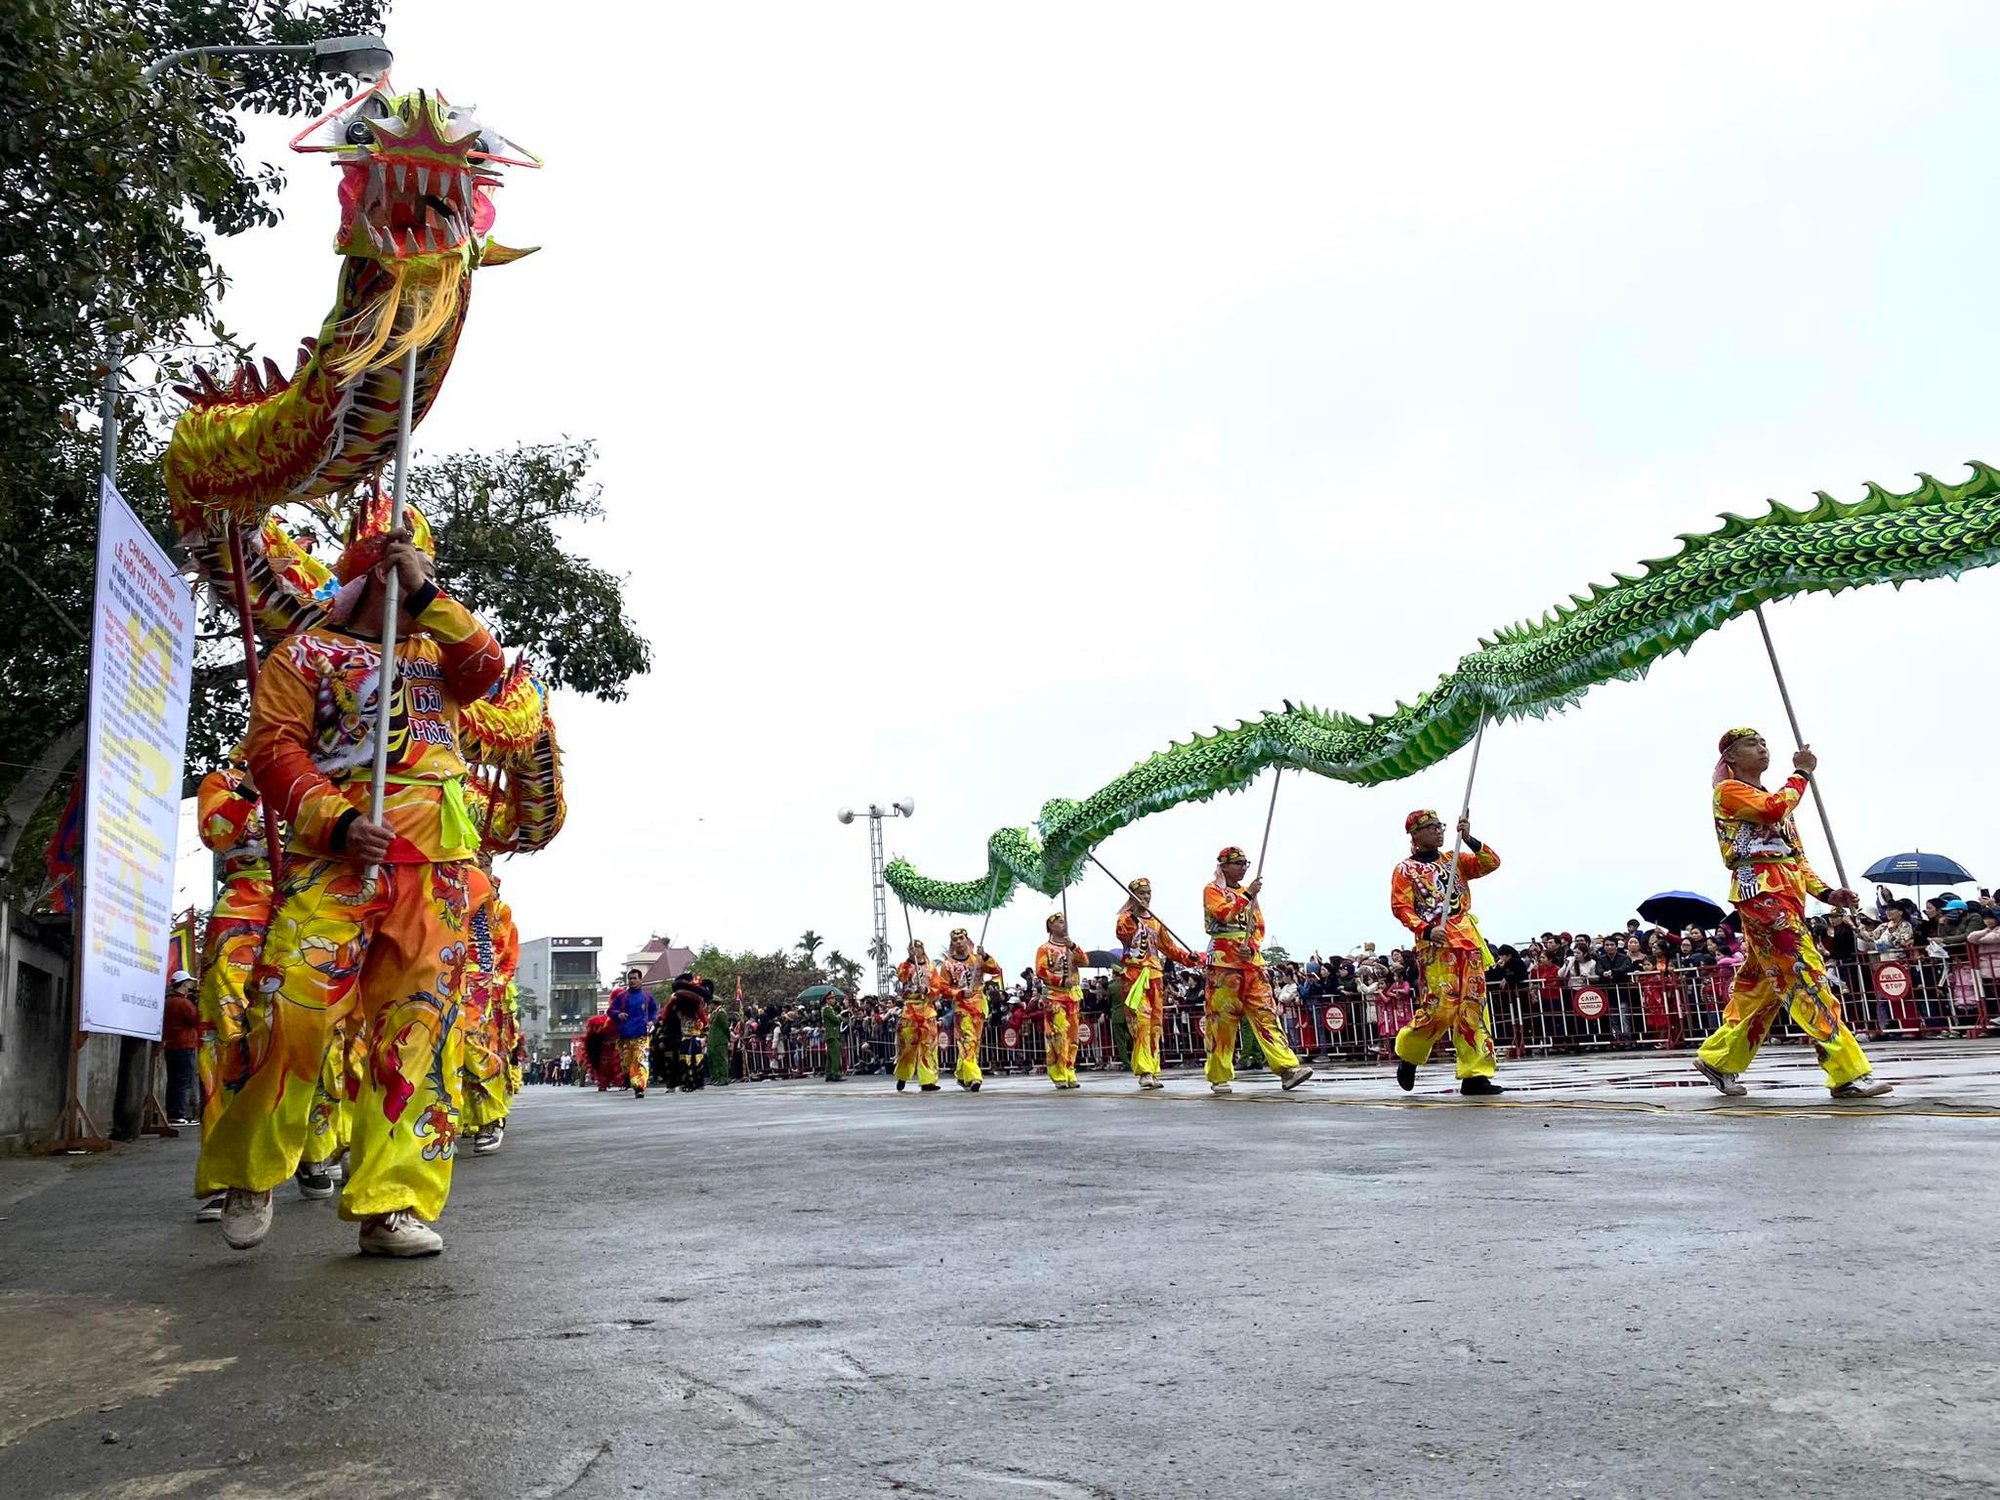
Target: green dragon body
[(1615, 631)]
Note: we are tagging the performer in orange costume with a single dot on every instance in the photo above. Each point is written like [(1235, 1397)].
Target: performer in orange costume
[(1769, 881), (1430, 896), (482, 1077), (386, 947), (918, 982), (1148, 945), (1239, 986), (965, 979), (232, 824), (1059, 965)]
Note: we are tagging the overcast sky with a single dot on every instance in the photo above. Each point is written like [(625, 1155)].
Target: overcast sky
[(988, 395)]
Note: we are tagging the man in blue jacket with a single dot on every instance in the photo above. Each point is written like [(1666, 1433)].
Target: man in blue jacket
[(633, 1011)]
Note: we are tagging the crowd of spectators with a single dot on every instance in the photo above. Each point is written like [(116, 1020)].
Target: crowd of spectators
[(1660, 983)]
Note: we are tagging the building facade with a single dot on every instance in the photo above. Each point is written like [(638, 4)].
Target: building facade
[(561, 975)]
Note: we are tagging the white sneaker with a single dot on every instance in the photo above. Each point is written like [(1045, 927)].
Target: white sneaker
[(401, 1234), (1867, 1086), (211, 1211), (246, 1217), (1293, 1077), (1221, 1088), (337, 1168), (486, 1143), (1724, 1081)]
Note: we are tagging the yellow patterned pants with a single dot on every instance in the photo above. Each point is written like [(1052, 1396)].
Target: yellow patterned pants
[(1146, 1012), (1061, 1030), (1782, 970), (1454, 1005), (386, 959), (971, 1029), (330, 1127), (917, 1043), (482, 1080), (1234, 997), (229, 955), (636, 1053)]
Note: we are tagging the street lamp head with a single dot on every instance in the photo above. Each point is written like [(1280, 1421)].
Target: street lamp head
[(907, 806), (362, 56), (846, 815)]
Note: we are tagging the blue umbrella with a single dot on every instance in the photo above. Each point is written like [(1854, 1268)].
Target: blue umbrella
[(1917, 869), (1678, 910)]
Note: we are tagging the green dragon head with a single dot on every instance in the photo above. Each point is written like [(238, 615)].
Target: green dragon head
[(417, 174)]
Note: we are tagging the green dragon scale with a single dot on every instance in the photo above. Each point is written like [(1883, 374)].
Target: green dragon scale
[(1617, 631)]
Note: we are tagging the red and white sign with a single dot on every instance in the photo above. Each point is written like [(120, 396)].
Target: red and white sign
[(1083, 1033), (1590, 1002), (1010, 1037), (1892, 981), (1336, 1018)]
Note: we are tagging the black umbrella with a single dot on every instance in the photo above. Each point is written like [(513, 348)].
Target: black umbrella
[(1104, 958), (1679, 910)]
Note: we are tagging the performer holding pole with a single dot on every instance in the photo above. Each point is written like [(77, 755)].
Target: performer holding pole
[(1059, 965), (345, 943), (917, 1033), (1239, 985), (1148, 945), (966, 973), (1769, 881), (232, 825), (1429, 895)]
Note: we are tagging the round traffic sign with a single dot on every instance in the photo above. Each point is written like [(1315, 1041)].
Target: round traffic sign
[(1892, 981), (1336, 1018), (1590, 1002)]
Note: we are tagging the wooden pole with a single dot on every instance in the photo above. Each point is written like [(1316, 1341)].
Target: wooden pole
[(392, 598), (1799, 739)]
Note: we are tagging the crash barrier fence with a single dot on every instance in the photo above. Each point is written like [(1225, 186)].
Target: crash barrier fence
[(1892, 995)]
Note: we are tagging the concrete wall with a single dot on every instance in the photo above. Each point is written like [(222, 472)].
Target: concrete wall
[(34, 1032)]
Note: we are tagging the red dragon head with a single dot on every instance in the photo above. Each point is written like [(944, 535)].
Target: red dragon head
[(417, 174)]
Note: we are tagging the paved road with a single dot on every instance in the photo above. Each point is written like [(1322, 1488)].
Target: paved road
[(780, 1290)]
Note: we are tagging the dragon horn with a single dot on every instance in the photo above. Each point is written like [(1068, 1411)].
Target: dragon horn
[(496, 254)]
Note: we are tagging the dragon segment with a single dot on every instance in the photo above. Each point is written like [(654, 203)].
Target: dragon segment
[(1614, 631), (415, 207)]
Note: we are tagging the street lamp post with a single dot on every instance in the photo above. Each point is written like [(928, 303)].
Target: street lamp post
[(905, 807)]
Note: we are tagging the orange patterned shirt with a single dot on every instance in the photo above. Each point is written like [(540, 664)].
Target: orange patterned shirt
[(1417, 894), (1148, 944), (963, 981), (1059, 966), (232, 825), (1759, 841), (917, 986), (311, 743), (1235, 927)]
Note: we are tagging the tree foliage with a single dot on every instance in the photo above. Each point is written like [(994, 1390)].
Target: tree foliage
[(496, 517), (768, 978), (109, 193)]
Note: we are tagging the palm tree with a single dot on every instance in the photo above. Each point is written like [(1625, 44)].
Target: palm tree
[(878, 950), (844, 970), (808, 944)]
